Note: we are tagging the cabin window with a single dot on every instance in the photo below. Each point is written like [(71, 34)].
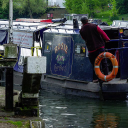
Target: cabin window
[(80, 50), (48, 46)]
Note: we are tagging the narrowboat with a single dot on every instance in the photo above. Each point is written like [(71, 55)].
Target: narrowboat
[(69, 71)]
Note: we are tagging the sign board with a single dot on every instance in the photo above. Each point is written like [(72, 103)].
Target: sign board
[(62, 52), (23, 39)]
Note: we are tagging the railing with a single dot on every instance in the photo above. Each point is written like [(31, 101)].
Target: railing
[(121, 48), (66, 29)]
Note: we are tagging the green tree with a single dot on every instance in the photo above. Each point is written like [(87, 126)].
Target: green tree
[(123, 6), (73, 6), (114, 11), (85, 6), (32, 6), (4, 8), (102, 4), (29, 6)]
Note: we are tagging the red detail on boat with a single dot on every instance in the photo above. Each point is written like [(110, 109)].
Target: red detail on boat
[(47, 21)]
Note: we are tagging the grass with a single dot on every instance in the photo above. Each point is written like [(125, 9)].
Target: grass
[(17, 123), (105, 16), (20, 124), (125, 16), (6, 118)]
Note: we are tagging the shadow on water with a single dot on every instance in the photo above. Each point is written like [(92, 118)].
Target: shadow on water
[(60, 111)]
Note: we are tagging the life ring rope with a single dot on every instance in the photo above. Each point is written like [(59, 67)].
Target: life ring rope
[(98, 72)]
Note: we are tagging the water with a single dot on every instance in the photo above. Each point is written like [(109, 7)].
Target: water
[(59, 111)]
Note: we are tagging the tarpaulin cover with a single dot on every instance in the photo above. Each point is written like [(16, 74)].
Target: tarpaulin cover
[(17, 67), (22, 53), (3, 37)]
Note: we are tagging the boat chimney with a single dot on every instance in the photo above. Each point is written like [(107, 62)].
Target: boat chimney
[(75, 24)]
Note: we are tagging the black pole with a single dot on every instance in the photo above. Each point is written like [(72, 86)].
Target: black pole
[(9, 90)]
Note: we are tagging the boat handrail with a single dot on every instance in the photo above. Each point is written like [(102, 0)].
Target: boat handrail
[(121, 48), (66, 29), (4, 25), (113, 40)]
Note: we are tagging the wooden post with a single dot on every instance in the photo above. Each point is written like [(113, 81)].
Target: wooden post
[(9, 90)]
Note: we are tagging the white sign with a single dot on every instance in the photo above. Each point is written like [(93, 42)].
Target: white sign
[(23, 39)]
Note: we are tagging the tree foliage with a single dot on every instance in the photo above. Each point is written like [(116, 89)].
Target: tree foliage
[(102, 4), (123, 6), (4, 9), (29, 7), (32, 6), (85, 6), (73, 6), (114, 11)]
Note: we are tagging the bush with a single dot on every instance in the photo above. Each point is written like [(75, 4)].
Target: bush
[(115, 17), (105, 14)]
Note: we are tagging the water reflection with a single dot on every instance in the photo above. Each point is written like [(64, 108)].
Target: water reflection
[(106, 121), (75, 112)]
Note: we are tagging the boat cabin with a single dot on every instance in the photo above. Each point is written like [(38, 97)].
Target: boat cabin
[(67, 54)]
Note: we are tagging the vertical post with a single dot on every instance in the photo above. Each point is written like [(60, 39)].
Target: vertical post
[(9, 70), (9, 89), (10, 21)]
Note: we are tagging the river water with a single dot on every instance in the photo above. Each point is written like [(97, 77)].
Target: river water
[(59, 111)]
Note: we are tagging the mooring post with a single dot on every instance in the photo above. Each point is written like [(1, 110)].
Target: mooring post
[(8, 61), (9, 89), (28, 104)]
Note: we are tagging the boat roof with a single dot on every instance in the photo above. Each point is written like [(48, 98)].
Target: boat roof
[(116, 24), (120, 23), (64, 29), (76, 16), (103, 27), (29, 20), (26, 26)]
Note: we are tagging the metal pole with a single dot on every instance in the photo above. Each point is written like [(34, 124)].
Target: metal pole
[(10, 21)]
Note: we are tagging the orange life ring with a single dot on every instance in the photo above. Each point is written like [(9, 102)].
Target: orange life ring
[(114, 63)]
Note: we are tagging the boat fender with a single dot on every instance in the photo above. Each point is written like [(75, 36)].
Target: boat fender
[(98, 72)]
